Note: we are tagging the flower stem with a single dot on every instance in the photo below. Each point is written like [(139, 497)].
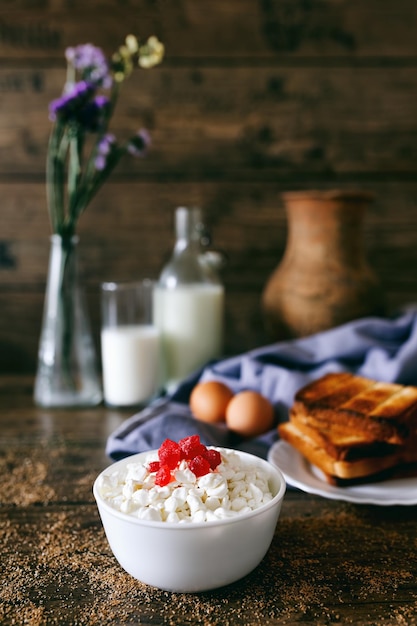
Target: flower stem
[(67, 297)]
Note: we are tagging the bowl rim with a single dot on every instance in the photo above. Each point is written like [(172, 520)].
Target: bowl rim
[(182, 526)]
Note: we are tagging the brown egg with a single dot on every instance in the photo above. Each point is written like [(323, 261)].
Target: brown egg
[(208, 401), (249, 414)]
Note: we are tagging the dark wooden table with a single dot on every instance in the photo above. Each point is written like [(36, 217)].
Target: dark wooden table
[(330, 562)]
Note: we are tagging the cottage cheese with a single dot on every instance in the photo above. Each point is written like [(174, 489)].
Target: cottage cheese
[(231, 489)]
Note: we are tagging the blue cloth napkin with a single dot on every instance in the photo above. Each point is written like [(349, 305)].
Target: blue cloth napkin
[(379, 348)]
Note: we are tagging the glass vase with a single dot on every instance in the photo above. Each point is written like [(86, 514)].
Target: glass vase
[(67, 372)]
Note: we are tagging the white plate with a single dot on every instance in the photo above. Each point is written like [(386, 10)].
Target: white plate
[(300, 473)]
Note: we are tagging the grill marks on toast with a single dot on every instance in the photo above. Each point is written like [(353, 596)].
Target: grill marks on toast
[(360, 405), (372, 399), (354, 429), (333, 390)]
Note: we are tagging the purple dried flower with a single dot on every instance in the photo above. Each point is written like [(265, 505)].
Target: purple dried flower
[(91, 63), (72, 177), (139, 143), (93, 114), (104, 148), (67, 106), (105, 143)]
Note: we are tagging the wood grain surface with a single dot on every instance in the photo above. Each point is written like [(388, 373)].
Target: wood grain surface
[(254, 98), (329, 562)]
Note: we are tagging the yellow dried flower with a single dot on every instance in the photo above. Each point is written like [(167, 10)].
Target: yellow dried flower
[(132, 44), (126, 57), (122, 64), (151, 53)]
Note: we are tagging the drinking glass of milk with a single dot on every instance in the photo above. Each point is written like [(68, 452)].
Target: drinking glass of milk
[(130, 343)]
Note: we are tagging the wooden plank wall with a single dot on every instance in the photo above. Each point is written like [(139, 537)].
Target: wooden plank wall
[(255, 97)]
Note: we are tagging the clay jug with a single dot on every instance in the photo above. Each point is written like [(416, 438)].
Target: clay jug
[(324, 278)]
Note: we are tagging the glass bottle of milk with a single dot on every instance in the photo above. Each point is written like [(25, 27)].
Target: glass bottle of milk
[(188, 303)]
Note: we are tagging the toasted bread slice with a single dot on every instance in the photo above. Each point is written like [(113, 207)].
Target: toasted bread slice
[(403, 470), (340, 444), (349, 471), (379, 411)]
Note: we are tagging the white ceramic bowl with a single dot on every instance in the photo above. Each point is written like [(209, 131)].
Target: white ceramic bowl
[(192, 557)]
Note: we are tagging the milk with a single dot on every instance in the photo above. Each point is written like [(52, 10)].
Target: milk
[(190, 320), (130, 356)]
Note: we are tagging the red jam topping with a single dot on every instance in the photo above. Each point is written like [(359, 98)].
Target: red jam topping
[(201, 460)]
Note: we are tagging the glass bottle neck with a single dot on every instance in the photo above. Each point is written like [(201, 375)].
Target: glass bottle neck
[(188, 228), (186, 265)]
